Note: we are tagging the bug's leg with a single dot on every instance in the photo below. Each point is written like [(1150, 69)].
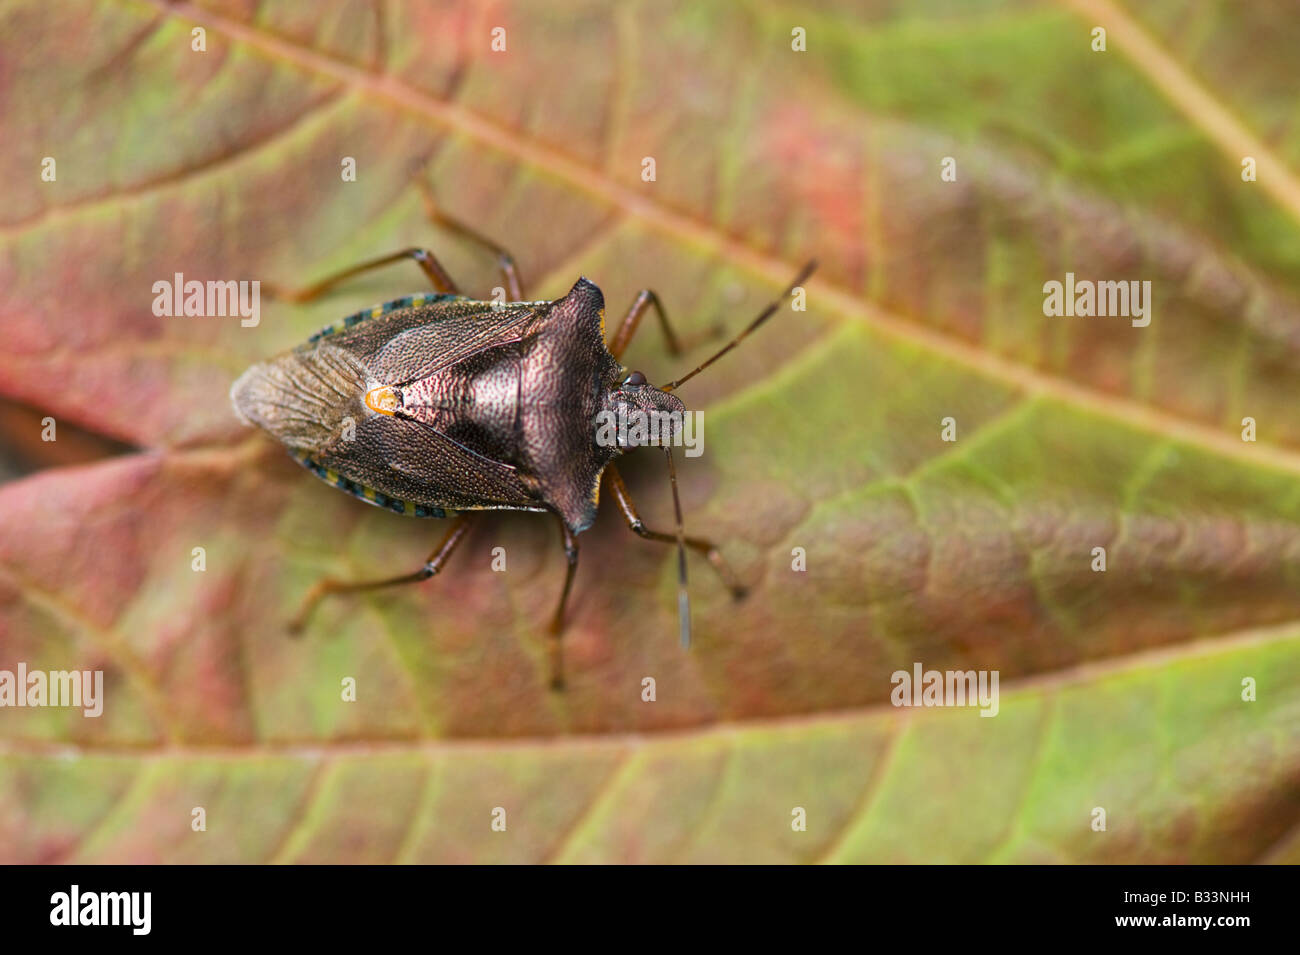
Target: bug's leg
[(514, 286), (455, 534), (614, 481), (422, 257), (557, 622), (627, 328)]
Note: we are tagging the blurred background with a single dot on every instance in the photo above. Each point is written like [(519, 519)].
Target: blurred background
[(941, 160)]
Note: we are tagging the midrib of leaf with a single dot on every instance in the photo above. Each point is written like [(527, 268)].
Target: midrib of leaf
[(770, 268), (1082, 674)]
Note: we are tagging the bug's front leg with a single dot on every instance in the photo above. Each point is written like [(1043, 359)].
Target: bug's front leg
[(644, 300), (330, 585), (557, 621), (614, 481)]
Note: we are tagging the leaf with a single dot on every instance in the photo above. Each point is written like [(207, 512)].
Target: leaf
[(1121, 689)]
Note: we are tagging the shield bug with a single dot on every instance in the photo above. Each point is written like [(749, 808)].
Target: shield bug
[(439, 405)]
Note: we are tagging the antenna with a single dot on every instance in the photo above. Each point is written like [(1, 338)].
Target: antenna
[(683, 599), (763, 316)]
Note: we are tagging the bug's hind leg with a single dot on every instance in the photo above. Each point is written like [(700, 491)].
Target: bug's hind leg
[(455, 534), (514, 286), (556, 630), (422, 257), (614, 481), (644, 300)]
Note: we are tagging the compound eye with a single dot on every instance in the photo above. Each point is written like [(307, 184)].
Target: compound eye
[(636, 378)]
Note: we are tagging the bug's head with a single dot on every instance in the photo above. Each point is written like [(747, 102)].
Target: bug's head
[(631, 398), (632, 402), (642, 413)]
